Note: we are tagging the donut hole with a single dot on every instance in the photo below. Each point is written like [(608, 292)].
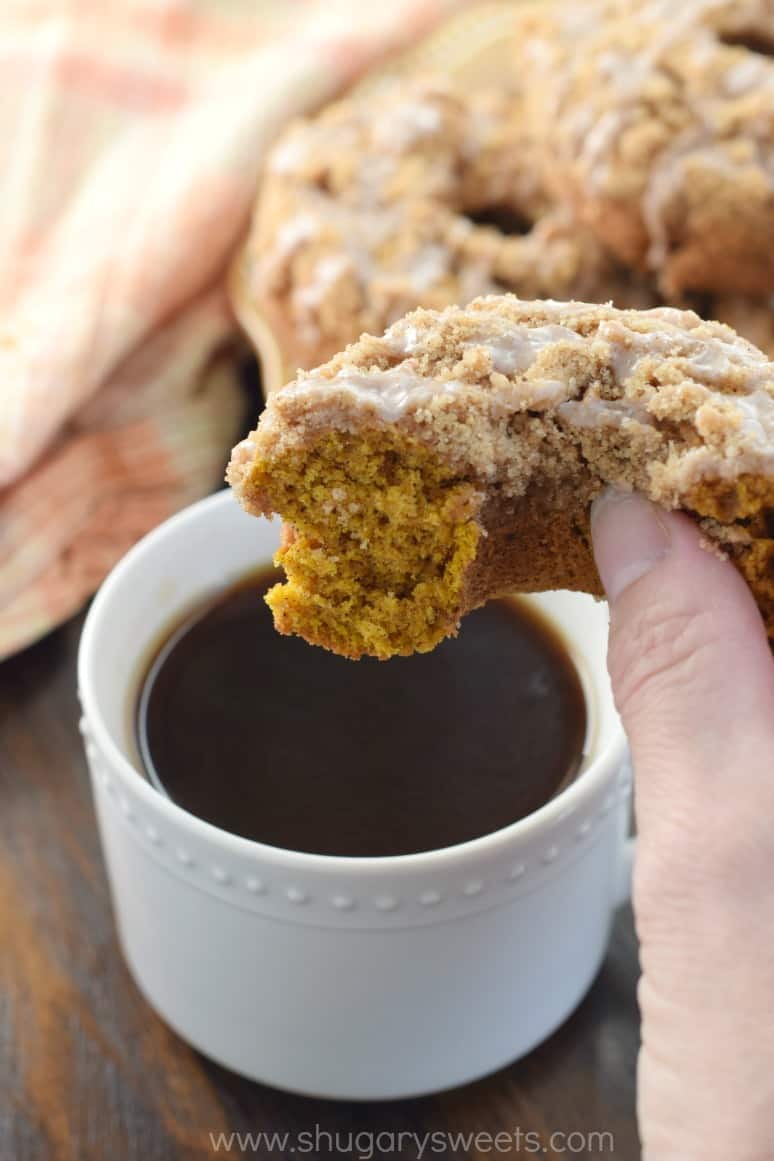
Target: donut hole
[(504, 218), (752, 39), (324, 182)]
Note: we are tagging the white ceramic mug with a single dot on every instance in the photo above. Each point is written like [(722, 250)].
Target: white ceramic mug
[(336, 976)]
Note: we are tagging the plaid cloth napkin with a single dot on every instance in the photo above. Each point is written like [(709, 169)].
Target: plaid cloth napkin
[(131, 135)]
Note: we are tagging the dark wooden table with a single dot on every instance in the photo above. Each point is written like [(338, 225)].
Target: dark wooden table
[(89, 1073)]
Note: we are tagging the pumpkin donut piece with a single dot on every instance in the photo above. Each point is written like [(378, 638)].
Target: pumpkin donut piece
[(455, 459)]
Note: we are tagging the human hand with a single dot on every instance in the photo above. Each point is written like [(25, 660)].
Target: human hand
[(693, 678)]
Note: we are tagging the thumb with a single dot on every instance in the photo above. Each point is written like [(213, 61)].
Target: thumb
[(689, 659), (694, 682)]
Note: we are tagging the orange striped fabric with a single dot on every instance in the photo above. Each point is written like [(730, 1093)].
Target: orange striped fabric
[(131, 135)]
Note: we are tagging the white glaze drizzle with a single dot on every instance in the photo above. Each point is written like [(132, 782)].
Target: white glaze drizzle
[(744, 75), (517, 351), (357, 235), (708, 360), (391, 393), (757, 412), (325, 273), (293, 234), (428, 265), (592, 412), (289, 155), (408, 124), (542, 394), (398, 391)]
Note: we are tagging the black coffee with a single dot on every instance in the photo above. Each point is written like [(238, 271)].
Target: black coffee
[(270, 738)]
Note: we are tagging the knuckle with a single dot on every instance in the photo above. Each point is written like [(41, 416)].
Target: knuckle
[(659, 647)]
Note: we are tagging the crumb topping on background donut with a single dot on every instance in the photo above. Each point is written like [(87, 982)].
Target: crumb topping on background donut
[(422, 195), (658, 120)]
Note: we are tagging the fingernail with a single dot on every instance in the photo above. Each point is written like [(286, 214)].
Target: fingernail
[(630, 536)]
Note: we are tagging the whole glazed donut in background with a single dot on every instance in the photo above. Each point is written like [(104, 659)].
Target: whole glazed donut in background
[(419, 195), (658, 124)]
